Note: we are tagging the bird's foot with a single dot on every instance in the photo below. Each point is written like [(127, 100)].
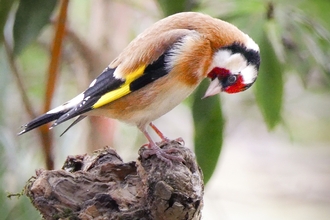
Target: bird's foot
[(165, 155)]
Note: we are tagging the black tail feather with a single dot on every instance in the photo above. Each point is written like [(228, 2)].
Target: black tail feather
[(77, 111), (41, 120), (81, 117)]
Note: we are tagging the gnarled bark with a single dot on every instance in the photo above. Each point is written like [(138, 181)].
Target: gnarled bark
[(102, 186)]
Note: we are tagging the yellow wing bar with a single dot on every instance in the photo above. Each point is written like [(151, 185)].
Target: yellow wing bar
[(122, 90)]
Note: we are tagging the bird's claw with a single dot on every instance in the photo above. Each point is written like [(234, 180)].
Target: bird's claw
[(163, 154)]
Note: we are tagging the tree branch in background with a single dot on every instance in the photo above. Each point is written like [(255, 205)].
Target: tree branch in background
[(51, 81), (56, 54), (18, 78)]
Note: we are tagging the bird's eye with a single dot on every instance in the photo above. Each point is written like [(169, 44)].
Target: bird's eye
[(231, 79)]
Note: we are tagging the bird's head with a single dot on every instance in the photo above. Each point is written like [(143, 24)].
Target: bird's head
[(234, 68)]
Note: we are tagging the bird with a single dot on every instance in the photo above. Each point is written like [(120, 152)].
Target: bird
[(160, 68)]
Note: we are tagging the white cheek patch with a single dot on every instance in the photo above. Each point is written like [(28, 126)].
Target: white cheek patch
[(232, 62), (249, 74), (219, 59), (236, 63)]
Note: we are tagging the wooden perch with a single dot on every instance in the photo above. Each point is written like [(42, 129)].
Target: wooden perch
[(102, 186)]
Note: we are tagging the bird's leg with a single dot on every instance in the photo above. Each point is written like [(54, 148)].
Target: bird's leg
[(162, 136), (159, 133), (166, 139), (162, 154)]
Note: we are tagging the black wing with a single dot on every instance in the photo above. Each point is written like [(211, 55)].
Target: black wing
[(104, 83)]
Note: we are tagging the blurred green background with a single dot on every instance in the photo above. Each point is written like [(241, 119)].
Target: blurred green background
[(274, 138)]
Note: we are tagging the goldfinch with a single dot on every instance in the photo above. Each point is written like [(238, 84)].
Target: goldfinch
[(159, 69)]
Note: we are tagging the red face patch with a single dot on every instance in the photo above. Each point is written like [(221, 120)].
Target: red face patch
[(218, 73), (238, 86), (230, 83)]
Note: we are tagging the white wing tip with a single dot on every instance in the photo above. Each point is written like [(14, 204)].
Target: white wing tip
[(70, 104)]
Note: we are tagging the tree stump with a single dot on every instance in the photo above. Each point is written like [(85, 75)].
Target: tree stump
[(102, 186)]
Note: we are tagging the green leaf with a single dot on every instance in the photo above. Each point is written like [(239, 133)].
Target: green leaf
[(174, 6), (269, 85), (209, 123), (274, 35), (5, 6), (31, 17)]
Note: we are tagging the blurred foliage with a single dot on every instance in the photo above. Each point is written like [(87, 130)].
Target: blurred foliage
[(175, 6), (269, 89), (291, 39), (31, 17), (5, 6), (209, 126)]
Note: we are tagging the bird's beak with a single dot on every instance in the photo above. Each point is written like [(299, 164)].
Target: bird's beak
[(214, 88)]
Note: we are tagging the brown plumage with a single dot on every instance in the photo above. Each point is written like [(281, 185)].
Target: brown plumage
[(161, 35), (160, 68)]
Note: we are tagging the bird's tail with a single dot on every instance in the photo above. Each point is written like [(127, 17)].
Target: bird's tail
[(59, 115), (41, 120)]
